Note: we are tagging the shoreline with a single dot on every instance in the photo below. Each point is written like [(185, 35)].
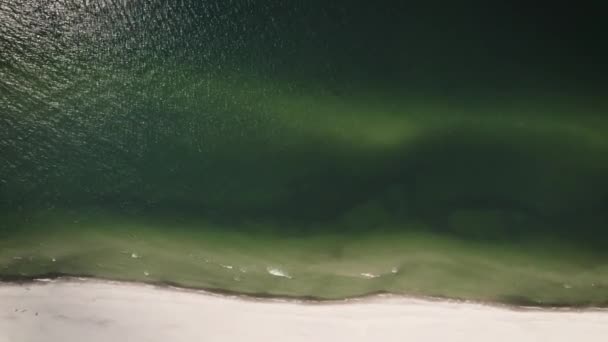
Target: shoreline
[(372, 297), (510, 302), (196, 255), (73, 309)]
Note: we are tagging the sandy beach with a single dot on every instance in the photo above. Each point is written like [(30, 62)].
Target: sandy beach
[(94, 310)]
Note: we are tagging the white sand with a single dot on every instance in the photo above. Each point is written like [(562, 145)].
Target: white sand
[(72, 310)]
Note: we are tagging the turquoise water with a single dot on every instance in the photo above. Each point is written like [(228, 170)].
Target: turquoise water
[(327, 150)]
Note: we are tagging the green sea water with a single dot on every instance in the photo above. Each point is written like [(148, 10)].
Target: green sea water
[(303, 149)]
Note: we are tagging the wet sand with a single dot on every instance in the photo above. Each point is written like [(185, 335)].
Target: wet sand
[(93, 310)]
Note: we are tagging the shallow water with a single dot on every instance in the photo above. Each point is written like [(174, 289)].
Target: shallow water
[(327, 150)]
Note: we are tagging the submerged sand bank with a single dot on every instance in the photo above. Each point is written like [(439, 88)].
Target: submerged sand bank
[(91, 310)]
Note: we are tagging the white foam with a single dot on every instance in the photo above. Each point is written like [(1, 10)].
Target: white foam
[(277, 272), (44, 280), (369, 275)]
